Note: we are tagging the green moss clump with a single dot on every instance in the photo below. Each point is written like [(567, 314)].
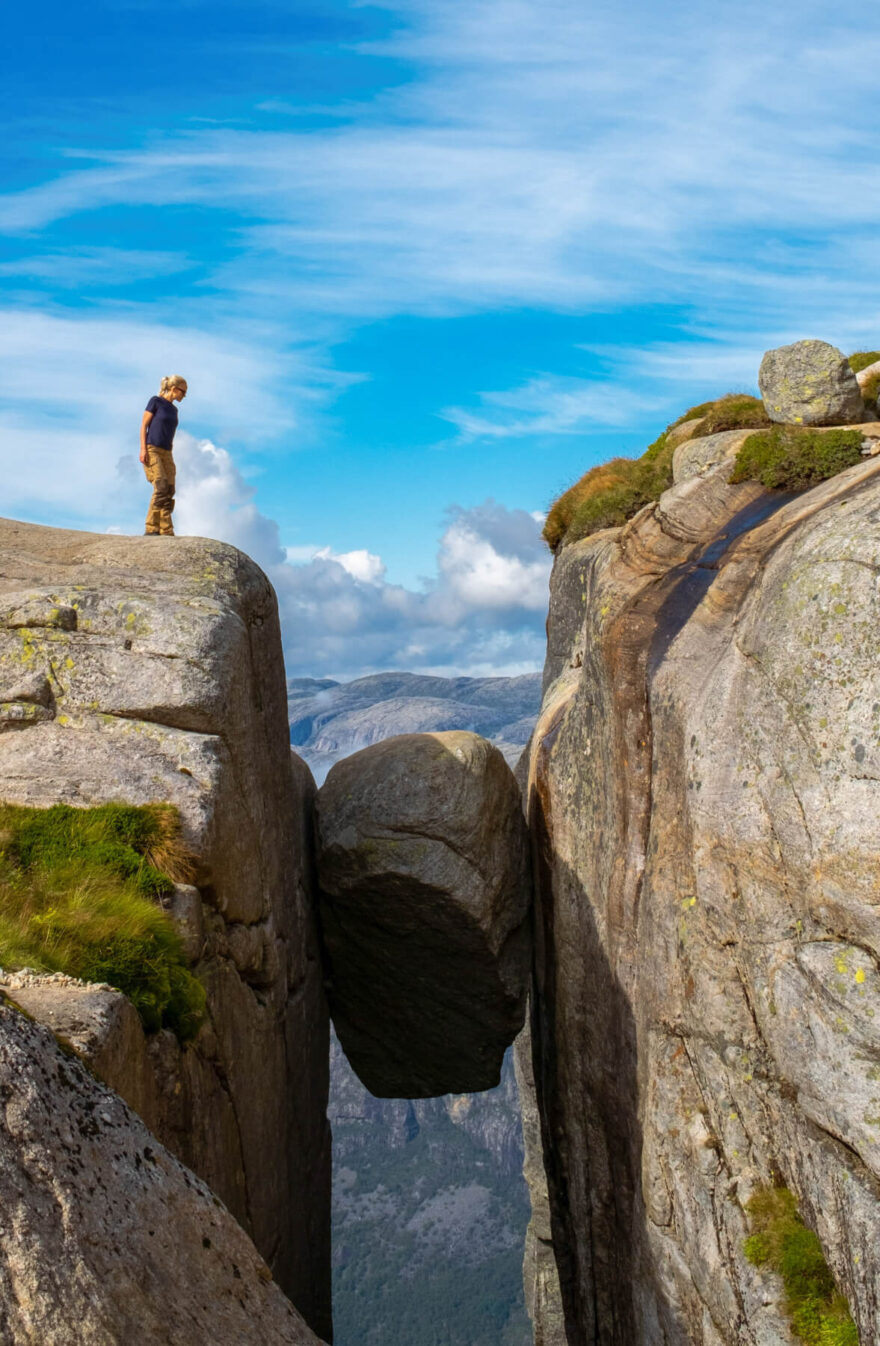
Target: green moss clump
[(693, 414), (608, 495), (861, 359), (781, 1241), (735, 411), (792, 458), (78, 894)]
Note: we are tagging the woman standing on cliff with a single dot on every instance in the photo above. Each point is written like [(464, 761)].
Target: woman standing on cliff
[(157, 442)]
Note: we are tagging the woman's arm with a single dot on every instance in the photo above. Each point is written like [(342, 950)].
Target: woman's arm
[(145, 424)]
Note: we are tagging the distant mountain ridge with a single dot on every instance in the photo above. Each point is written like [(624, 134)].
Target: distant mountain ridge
[(329, 720)]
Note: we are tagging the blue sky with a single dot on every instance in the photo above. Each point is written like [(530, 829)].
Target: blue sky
[(422, 264)]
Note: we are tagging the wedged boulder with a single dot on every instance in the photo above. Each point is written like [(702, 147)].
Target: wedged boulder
[(425, 878), (105, 1237), (810, 383)]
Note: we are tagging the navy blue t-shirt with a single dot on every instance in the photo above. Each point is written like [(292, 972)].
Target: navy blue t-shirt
[(160, 431)]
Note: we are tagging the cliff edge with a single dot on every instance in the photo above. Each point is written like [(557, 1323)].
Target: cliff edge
[(704, 795), (140, 670)]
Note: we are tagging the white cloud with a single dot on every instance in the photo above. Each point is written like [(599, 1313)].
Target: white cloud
[(550, 405), (483, 613), (361, 564), (493, 559), (79, 267), (215, 501)]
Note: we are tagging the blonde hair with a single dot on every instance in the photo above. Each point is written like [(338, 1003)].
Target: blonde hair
[(171, 381)]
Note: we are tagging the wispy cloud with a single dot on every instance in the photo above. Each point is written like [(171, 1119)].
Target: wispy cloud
[(531, 164), (81, 267)]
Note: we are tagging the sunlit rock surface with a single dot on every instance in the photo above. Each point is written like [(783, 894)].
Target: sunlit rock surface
[(810, 383), (150, 669), (104, 1236), (704, 793)]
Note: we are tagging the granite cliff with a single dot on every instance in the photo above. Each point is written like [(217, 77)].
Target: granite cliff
[(703, 797), (139, 671)]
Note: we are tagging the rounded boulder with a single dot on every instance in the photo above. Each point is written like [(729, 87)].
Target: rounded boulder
[(810, 383), (425, 885)]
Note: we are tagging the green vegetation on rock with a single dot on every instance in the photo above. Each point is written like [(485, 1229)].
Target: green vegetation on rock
[(860, 360), (781, 1242), (608, 495), (871, 387), (79, 893), (734, 411), (792, 458)]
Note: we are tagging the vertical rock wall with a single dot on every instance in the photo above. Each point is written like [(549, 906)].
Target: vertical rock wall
[(704, 793), (145, 669)]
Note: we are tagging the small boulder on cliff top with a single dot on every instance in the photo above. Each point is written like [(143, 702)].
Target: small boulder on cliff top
[(810, 383), (425, 878)]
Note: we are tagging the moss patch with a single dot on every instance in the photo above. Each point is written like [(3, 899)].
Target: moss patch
[(735, 411), (606, 496), (782, 1242), (790, 458), (79, 892), (860, 360), (693, 414)]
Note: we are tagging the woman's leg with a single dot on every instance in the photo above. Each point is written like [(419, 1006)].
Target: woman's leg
[(160, 470), (151, 523), (166, 527)]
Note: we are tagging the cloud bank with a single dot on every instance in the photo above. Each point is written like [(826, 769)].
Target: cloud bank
[(482, 614)]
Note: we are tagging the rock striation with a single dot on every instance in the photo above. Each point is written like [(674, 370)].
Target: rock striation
[(143, 671), (104, 1236), (704, 797), (810, 383), (425, 890)]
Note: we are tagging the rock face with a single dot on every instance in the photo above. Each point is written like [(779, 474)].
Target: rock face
[(810, 383), (423, 867), (141, 670), (104, 1236), (704, 791), (540, 1275)]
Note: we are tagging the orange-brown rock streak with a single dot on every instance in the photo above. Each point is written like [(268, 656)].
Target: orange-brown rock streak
[(704, 778)]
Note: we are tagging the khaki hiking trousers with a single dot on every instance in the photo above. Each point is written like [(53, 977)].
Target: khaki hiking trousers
[(160, 471)]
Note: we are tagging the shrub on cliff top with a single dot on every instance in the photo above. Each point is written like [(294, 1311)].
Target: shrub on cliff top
[(734, 411), (860, 360), (79, 892), (793, 458), (782, 1242), (871, 387), (608, 495)]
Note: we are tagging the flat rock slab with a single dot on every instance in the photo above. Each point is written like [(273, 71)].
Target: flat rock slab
[(105, 1237), (810, 383), (425, 877)]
